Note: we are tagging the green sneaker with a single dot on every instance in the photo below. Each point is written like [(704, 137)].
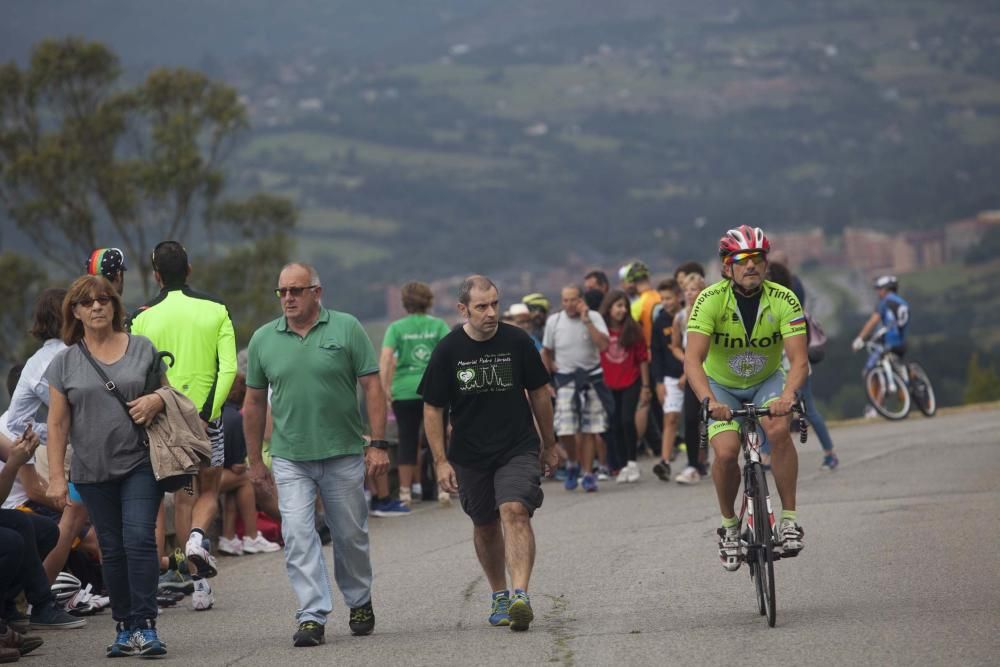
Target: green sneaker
[(499, 611), (520, 612)]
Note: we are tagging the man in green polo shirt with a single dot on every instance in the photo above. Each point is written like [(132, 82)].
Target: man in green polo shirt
[(312, 360)]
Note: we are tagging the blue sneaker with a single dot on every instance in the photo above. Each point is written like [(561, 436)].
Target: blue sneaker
[(572, 473), (147, 643), (388, 507), (589, 483), (830, 462), (520, 612), (499, 610), (122, 646)]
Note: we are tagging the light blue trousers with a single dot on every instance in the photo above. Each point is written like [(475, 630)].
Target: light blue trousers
[(339, 483)]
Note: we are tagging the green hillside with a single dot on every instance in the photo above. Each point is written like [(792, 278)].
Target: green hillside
[(614, 137)]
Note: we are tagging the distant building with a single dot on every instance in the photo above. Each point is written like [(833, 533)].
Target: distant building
[(801, 247), (961, 236), (868, 250)]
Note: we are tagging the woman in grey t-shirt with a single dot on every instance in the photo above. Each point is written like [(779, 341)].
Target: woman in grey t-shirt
[(110, 467)]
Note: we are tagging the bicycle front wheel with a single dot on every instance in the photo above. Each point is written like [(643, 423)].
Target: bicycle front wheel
[(764, 537), (890, 399), (921, 389)]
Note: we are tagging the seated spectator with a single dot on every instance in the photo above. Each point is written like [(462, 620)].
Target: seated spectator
[(29, 405), (237, 490), (25, 539)]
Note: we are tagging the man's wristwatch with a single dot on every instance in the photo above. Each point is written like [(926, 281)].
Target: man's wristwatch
[(379, 444)]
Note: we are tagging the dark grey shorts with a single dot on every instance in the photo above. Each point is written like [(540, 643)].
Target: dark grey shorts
[(218, 440), (482, 492)]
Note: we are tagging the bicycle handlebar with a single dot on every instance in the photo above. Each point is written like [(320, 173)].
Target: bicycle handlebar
[(751, 410)]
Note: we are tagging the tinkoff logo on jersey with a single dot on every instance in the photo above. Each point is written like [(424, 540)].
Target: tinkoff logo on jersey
[(735, 342), (747, 364)]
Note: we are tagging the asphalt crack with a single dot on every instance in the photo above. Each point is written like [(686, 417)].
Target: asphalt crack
[(557, 622), (467, 593)]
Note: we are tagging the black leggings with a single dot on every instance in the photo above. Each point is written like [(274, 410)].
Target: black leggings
[(409, 418), (691, 423), (623, 421)]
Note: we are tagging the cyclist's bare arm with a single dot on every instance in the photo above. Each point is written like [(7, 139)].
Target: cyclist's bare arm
[(797, 351), (694, 358), (869, 326)]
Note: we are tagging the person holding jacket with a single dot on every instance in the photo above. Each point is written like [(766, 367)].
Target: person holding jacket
[(111, 467)]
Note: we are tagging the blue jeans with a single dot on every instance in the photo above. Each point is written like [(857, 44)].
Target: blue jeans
[(339, 482), (814, 417), (124, 513)]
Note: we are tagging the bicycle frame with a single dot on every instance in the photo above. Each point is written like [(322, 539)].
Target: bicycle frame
[(758, 539), (889, 363), (750, 442)]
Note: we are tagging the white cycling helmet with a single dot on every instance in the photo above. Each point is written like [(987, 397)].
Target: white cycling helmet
[(65, 587), (886, 282)]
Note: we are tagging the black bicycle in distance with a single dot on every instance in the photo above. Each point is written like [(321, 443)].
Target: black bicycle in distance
[(759, 544)]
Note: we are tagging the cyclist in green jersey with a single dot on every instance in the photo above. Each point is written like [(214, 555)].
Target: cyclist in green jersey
[(737, 330), (198, 331)]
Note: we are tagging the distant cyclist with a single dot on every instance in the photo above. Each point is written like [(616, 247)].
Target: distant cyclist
[(737, 330), (893, 313)]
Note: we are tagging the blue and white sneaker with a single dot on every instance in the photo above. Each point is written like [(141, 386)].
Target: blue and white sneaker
[(520, 612), (147, 643), (572, 477), (589, 483), (830, 462), (499, 611), (122, 646), (389, 507)]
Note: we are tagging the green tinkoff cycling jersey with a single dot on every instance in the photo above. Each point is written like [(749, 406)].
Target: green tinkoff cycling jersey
[(734, 358)]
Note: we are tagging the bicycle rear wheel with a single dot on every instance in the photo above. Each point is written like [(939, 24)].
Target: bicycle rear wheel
[(764, 537), (891, 404), (921, 389)]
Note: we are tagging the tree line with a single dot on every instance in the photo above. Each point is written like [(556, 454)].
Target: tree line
[(88, 161)]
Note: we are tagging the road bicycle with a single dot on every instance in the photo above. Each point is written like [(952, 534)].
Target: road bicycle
[(893, 387), (760, 548)]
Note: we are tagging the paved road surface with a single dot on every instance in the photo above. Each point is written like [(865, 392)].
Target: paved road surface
[(901, 567)]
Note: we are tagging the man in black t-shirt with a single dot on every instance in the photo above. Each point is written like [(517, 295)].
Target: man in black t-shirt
[(490, 377)]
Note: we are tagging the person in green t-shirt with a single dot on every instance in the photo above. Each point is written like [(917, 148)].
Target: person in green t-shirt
[(406, 349), (313, 359)]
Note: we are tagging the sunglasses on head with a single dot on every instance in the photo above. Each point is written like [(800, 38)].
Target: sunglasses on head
[(282, 292), (104, 300), (745, 256)]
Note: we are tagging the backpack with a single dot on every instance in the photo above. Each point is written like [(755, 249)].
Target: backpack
[(816, 339)]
